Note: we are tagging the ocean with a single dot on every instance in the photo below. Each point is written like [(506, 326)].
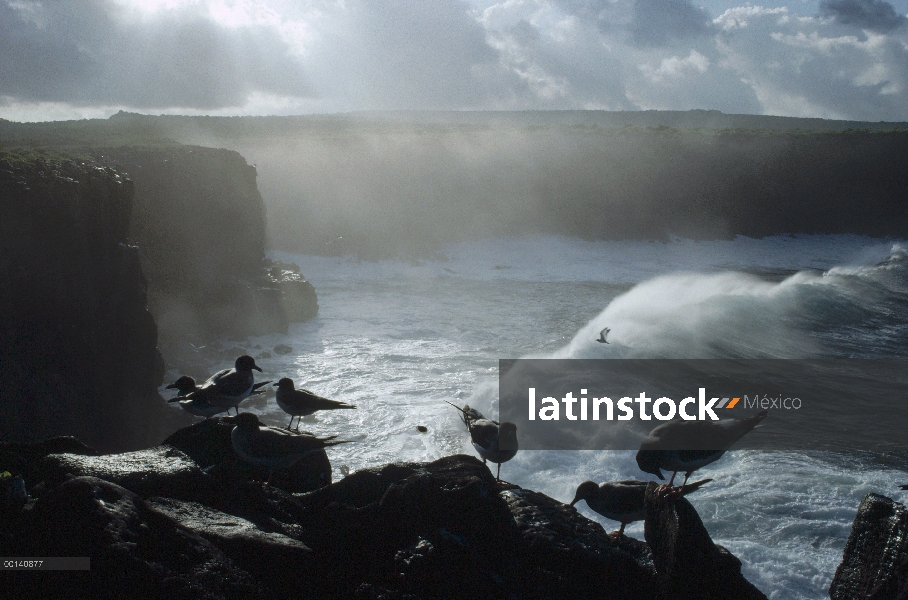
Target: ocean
[(399, 337)]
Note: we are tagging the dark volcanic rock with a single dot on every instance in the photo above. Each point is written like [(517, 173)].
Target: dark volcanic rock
[(134, 550), (158, 471), (689, 564), (444, 529), (270, 555), (21, 458), (875, 562)]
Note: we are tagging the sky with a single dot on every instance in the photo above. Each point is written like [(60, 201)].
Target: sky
[(72, 59)]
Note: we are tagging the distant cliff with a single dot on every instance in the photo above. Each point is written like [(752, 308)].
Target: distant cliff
[(405, 183), (78, 349)]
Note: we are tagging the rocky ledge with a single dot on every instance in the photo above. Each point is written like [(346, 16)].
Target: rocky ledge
[(875, 562), (187, 519)]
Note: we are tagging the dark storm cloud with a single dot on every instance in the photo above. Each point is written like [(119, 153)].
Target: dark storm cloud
[(661, 23), (94, 52), (876, 15)]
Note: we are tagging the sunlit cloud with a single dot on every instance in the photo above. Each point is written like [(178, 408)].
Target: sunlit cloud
[(842, 58)]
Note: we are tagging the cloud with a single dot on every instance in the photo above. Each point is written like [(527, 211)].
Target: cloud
[(661, 23), (875, 15), (385, 54), (809, 67), (675, 67), (100, 52), (292, 56)]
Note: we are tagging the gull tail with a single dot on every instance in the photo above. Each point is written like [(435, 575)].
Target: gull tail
[(330, 443), (693, 487), (256, 386)]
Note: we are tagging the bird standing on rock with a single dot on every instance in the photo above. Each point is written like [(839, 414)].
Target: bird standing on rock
[(667, 446), (233, 385), (203, 401), (274, 448), (198, 403), (621, 501), (302, 403), (493, 441)]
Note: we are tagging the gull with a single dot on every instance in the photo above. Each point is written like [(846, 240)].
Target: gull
[(232, 385), (302, 403), (665, 447), (198, 404), (621, 501), (602, 336), (493, 441), (274, 448), (201, 402)]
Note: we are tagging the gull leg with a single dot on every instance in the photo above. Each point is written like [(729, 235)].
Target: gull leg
[(619, 532), (665, 488), (498, 475), (686, 477), (291, 423)]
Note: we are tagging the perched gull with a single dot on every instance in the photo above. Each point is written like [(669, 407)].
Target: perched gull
[(621, 501), (302, 403), (198, 404), (660, 450), (493, 441), (203, 401), (184, 386), (602, 336), (233, 385), (274, 448)]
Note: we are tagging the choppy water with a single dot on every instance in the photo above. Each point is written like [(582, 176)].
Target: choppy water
[(397, 338)]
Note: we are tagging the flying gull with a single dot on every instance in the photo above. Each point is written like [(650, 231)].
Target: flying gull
[(621, 501), (602, 335), (664, 447), (302, 403)]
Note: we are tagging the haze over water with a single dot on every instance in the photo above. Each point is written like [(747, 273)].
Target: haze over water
[(397, 338)]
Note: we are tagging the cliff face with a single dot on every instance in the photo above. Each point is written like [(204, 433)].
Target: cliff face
[(78, 349), (875, 562), (199, 223)]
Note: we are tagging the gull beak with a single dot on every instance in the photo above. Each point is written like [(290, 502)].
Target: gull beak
[(256, 368)]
